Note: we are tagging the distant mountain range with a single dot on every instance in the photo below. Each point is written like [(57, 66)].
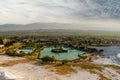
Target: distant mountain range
[(35, 26), (53, 29), (38, 26), (48, 26)]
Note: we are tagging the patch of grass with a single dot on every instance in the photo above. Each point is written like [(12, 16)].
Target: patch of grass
[(92, 68), (113, 66), (67, 69), (102, 77), (32, 58), (59, 68), (13, 62), (16, 45), (85, 65), (63, 69)]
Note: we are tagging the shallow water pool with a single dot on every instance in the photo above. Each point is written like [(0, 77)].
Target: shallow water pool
[(70, 55)]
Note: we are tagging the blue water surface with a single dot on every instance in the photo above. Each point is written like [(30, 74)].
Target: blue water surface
[(70, 55)]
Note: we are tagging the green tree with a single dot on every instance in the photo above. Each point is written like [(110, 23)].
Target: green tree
[(64, 62), (13, 53), (48, 59), (1, 41)]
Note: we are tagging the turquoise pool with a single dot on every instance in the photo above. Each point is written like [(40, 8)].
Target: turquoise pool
[(27, 50), (70, 55)]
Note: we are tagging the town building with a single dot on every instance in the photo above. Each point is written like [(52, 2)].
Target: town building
[(2, 49)]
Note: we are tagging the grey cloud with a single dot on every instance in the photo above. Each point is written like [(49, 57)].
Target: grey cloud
[(44, 10)]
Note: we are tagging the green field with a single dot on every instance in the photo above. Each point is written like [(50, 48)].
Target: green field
[(62, 33)]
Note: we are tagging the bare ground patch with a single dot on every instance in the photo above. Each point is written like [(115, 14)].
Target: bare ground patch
[(13, 62)]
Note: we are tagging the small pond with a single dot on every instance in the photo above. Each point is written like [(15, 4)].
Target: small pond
[(27, 49), (70, 55)]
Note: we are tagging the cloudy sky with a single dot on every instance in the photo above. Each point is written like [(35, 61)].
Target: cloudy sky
[(95, 13)]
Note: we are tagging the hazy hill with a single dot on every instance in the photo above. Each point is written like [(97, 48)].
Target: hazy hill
[(35, 26), (49, 26)]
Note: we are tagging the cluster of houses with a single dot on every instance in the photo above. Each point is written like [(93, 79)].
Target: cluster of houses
[(66, 40), (2, 46), (2, 49)]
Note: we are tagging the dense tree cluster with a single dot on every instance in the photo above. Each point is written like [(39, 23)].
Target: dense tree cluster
[(1, 41), (13, 53), (48, 59)]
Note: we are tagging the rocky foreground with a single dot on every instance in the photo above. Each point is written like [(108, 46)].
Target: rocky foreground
[(32, 71)]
